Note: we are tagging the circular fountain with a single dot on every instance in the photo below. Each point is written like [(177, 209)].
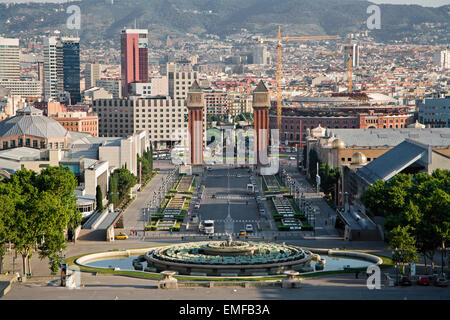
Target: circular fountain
[(229, 258)]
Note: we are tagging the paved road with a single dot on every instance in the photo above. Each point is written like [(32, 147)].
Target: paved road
[(229, 209)]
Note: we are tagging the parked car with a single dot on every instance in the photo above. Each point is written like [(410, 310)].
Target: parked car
[(242, 233), (441, 281), (213, 196), (262, 211), (291, 158), (121, 236), (405, 281), (249, 227), (197, 206), (423, 281)]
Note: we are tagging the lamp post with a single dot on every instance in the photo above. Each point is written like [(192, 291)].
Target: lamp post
[(396, 265)]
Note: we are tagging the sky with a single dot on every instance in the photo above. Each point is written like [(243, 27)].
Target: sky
[(426, 3)]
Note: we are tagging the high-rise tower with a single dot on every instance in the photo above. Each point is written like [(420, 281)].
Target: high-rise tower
[(9, 59), (53, 69), (71, 68), (134, 57)]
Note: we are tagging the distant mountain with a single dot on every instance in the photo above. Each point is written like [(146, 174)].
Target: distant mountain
[(102, 20)]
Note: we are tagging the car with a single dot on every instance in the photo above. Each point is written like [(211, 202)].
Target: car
[(441, 281), (404, 281), (209, 169), (121, 236), (238, 176), (291, 158), (249, 227), (213, 196), (262, 211), (423, 281), (197, 206), (242, 233)]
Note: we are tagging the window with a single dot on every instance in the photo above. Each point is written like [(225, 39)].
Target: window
[(5, 144), (35, 144), (349, 159), (343, 159)]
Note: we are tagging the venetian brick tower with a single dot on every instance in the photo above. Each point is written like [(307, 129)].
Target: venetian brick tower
[(261, 106), (195, 105)]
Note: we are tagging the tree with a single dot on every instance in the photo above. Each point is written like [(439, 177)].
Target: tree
[(99, 198), (6, 209), (404, 245), (43, 207), (122, 180), (420, 202), (113, 190)]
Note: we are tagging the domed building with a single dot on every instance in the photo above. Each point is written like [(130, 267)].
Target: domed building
[(29, 128), (359, 158), (337, 144)]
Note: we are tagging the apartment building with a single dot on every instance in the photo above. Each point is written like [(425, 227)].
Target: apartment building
[(113, 86), (435, 113), (78, 122), (179, 82), (24, 88), (162, 118)]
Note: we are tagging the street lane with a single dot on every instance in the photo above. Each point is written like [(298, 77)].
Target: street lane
[(229, 209)]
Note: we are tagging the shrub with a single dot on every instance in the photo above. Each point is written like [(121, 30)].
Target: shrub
[(277, 217), (157, 217), (282, 227), (307, 227)]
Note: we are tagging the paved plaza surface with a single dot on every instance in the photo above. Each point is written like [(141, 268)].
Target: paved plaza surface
[(338, 287)]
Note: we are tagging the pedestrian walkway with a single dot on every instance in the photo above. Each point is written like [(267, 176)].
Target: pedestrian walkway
[(233, 220), (234, 197), (325, 217), (229, 175)]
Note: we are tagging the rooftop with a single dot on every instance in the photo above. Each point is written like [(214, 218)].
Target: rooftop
[(391, 137), (394, 161)]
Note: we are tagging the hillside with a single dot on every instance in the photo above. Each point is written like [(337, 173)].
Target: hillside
[(102, 20)]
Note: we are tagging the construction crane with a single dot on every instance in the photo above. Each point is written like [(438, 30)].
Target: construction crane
[(349, 52), (279, 40)]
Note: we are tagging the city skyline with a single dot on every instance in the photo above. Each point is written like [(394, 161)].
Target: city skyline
[(201, 157)]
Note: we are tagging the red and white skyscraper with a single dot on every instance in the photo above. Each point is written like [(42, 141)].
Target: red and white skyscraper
[(134, 57)]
